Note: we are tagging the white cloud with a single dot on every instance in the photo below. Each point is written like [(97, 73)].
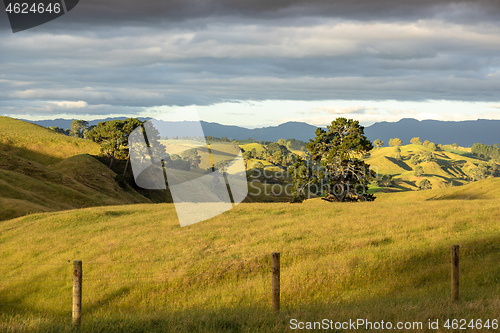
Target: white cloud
[(69, 104)]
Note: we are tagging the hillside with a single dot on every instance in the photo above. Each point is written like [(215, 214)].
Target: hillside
[(142, 272), (447, 167), (44, 171), (38, 144)]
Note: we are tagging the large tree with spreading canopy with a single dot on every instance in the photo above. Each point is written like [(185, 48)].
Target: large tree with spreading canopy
[(334, 165)]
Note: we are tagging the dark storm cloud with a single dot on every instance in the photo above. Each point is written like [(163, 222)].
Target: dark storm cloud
[(171, 12), (350, 9), (203, 52)]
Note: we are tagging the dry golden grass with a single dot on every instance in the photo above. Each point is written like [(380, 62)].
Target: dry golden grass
[(384, 260)]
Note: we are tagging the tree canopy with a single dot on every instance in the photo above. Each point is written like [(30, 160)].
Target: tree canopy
[(378, 143), (113, 137), (335, 163), (395, 142), (416, 141)]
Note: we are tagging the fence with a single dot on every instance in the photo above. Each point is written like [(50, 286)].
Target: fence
[(88, 279)]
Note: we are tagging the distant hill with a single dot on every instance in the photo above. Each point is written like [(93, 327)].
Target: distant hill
[(464, 133), (66, 123), (289, 130)]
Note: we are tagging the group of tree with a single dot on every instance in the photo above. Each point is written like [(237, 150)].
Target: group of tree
[(79, 129), (293, 144), (112, 136), (210, 138), (274, 153), (484, 170), (385, 181), (486, 151)]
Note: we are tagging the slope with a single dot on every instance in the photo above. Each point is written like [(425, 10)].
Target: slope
[(446, 167), (36, 143), (44, 171), (373, 260)]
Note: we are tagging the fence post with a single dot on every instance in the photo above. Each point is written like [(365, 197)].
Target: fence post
[(454, 272), (77, 292), (275, 264)]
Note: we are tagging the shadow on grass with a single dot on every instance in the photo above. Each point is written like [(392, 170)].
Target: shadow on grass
[(401, 164), (28, 154)]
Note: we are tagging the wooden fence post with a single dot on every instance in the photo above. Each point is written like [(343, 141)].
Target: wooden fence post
[(275, 263), (77, 292), (454, 272)]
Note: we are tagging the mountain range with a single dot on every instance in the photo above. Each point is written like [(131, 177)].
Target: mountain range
[(464, 133)]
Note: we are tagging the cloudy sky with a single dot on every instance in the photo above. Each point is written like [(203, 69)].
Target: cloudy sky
[(257, 63)]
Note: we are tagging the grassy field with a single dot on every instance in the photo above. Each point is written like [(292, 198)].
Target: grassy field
[(383, 260)]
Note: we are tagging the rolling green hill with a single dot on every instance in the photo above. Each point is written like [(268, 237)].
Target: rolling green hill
[(376, 260), (447, 168), (39, 144), (43, 171)]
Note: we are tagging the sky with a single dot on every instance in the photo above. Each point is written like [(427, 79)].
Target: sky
[(256, 63)]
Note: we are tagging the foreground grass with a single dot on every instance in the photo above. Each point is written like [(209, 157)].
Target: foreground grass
[(143, 273)]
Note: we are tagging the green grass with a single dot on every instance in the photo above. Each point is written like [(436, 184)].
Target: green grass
[(39, 144), (249, 146), (383, 260), (43, 171)]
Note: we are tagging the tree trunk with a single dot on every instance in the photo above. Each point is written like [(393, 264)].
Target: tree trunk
[(126, 166), (111, 160)]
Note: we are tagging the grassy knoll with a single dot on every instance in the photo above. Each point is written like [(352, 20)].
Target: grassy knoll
[(249, 146), (39, 144), (447, 167), (381, 260), (42, 171)]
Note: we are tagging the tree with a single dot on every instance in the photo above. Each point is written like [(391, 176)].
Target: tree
[(378, 143), (385, 181), (397, 154), (426, 143), (431, 146), (416, 141), (78, 127), (454, 146), (427, 156), (192, 156), (113, 137), (59, 130), (395, 142), (335, 163), (425, 184), (419, 171), (414, 160)]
